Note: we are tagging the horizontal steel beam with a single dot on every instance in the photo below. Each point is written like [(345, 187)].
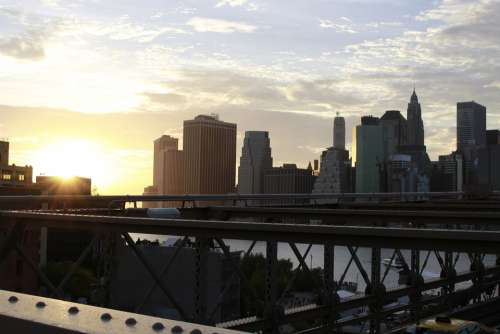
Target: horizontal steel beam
[(384, 237), (226, 197), (21, 313), (350, 216)]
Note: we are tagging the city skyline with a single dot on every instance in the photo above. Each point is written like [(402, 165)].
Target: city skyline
[(69, 78)]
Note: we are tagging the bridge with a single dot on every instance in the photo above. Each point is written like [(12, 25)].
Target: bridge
[(456, 232)]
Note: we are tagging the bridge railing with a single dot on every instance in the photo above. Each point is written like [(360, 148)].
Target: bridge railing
[(409, 248)]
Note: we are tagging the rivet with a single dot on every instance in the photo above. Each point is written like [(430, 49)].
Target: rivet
[(177, 329), (106, 317), (40, 305), (130, 322), (196, 331), (73, 310), (13, 299), (158, 326)]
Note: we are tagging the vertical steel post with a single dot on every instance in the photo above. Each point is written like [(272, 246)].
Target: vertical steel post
[(201, 271), (328, 276), (377, 291), (270, 310), (450, 268)]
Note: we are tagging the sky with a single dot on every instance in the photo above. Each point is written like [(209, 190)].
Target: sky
[(87, 85)]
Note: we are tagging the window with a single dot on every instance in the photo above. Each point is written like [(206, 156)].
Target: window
[(7, 177), (20, 177)]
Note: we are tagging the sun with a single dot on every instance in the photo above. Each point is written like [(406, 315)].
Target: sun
[(75, 157)]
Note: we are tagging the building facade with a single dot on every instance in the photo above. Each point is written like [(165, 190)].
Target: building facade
[(415, 122), (289, 179), (339, 132), (209, 155), (447, 173), (395, 131), (255, 159), (471, 125), (368, 154), (335, 172)]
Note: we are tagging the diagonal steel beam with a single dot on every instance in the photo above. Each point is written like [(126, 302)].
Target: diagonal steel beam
[(14, 232), (359, 265), (425, 262), (77, 264), (142, 258), (388, 267), (37, 270), (294, 277), (342, 277), (226, 287), (163, 272)]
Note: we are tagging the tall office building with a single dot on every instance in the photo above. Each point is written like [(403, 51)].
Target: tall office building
[(335, 172), (471, 125), (255, 159), (415, 123), (339, 132), (471, 136), (368, 154), (209, 155), (395, 131), (447, 173), (168, 171), (489, 162)]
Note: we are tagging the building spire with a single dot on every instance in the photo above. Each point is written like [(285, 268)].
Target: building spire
[(414, 97)]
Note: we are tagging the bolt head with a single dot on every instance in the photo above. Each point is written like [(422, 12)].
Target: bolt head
[(73, 310), (130, 322)]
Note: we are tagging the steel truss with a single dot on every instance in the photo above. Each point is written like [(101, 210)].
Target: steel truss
[(442, 245)]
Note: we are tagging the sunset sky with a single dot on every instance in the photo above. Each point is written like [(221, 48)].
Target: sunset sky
[(87, 85)]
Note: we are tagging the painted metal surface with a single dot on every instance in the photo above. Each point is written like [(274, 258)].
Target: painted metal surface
[(21, 313)]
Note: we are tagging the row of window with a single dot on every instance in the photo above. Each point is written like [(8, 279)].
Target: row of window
[(8, 177)]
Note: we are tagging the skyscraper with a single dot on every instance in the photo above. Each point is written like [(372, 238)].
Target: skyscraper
[(368, 153), (415, 123), (255, 158), (339, 132), (168, 170), (335, 172), (209, 155), (471, 136), (395, 131), (471, 125)]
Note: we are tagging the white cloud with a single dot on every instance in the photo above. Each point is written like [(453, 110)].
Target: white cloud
[(203, 24), (231, 3), (338, 27)]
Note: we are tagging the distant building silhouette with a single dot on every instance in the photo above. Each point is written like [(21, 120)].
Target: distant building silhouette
[(339, 132), (395, 131), (447, 173), (335, 172), (255, 159), (471, 135), (12, 176), (209, 155), (368, 154), (289, 180), (415, 123), (471, 125), (489, 162), (168, 171)]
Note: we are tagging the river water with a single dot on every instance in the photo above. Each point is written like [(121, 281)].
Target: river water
[(342, 257)]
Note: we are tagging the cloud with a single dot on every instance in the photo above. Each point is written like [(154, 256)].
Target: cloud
[(346, 27), (203, 24), (31, 34), (231, 3), (27, 46)]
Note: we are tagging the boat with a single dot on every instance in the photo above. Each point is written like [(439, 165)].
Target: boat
[(396, 263)]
